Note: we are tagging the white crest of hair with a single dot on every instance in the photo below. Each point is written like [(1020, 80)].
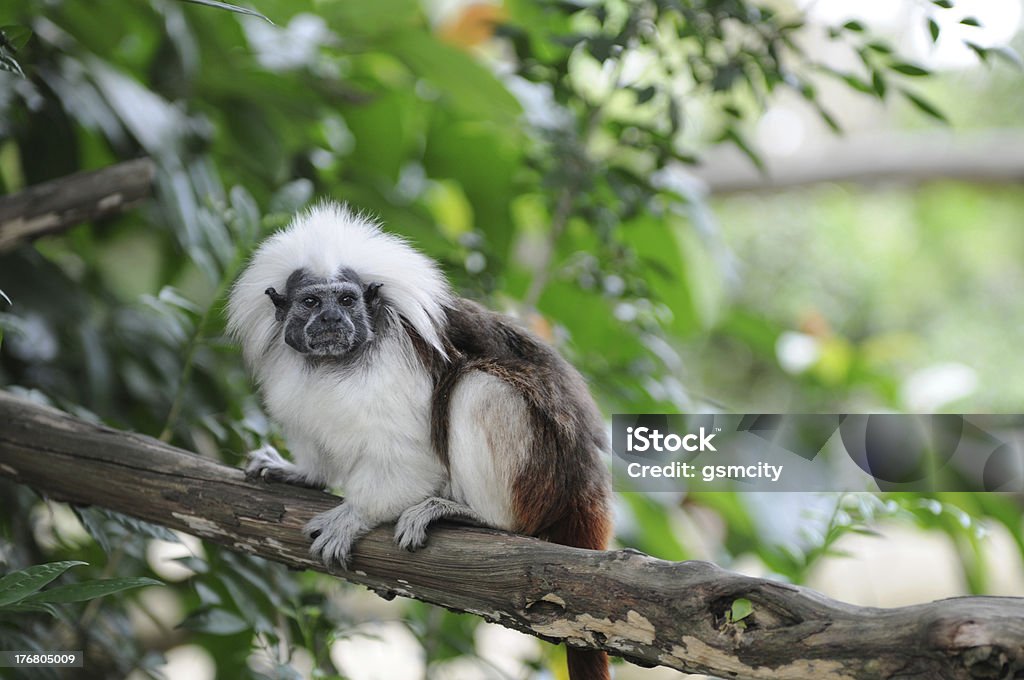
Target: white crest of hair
[(327, 238)]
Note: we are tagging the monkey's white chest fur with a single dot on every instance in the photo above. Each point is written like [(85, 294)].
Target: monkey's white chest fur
[(366, 359), (364, 429)]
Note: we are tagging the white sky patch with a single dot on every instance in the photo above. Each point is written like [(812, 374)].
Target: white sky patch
[(877, 13), (379, 651), (290, 47), (186, 662), (162, 556), (999, 19), (506, 649), (931, 388), (904, 21), (781, 131)]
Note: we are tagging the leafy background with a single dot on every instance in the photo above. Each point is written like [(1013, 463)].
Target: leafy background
[(544, 153)]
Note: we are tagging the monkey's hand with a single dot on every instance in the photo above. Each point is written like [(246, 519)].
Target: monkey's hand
[(334, 533), (266, 463)]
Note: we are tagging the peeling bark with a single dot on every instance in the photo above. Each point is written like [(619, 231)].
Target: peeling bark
[(650, 611)]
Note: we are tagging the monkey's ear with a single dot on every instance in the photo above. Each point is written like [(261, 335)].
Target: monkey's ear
[(370, 295), (280, 301)]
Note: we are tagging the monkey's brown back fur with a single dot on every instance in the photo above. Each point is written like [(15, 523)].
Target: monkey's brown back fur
[(561, 493)]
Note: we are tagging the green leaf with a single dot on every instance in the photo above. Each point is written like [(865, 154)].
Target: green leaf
[(879, 47), (19, 584), (14, 37), (94, 525), (741, 609), (292, 197), (910, 70), (229, 7), (383, 127), (370, 19), (672, 262), (878, 83), (925, 106), (215, 622), (828, 119), (1008, 54), (652, 530), (196, 564), (484, 162), (933, 29), (8, 63), (467, 84), (855, 26), (865, 531), (970, 21), (982, 52), (737, 138), (857, 84), (247, 213), (645, 95), (140, 527), (732, 111), (944, 4), (31, 608), (89, 590)]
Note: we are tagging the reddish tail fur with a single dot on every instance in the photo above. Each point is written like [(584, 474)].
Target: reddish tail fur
[(587, 665), (561, 491), (585, 527)]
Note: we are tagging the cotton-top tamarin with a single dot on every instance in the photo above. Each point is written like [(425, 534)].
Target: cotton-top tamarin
[(416, 403)]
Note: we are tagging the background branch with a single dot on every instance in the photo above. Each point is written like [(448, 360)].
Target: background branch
[(896, 158), (62, 203), (651, 611)]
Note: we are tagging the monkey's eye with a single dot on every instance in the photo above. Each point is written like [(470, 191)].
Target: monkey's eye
[(347, 300), (311, 301)]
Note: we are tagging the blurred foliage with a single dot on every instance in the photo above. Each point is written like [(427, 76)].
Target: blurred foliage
[(21, 591), (884, 284), (537, 149)]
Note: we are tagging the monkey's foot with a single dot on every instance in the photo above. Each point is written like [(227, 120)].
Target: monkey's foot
[(266, 463), (411, 528), (333, 534)]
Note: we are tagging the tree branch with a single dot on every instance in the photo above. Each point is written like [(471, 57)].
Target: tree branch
[(648, 610), (896, 158), (62, 203)]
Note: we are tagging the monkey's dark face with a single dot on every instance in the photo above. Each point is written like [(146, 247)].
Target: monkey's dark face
[(326, 318)]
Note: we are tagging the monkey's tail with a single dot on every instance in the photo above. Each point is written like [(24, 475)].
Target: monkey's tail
[(588, 525), (587, 664)]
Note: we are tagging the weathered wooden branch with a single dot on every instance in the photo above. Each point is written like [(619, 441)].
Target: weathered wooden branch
[(648, 610), (995, 157), (62, 203)]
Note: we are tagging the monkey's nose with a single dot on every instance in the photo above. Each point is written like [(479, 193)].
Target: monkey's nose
[(331, 316)]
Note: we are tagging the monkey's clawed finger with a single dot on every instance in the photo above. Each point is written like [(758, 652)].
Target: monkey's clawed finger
[(333, 534), (410, 535)]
